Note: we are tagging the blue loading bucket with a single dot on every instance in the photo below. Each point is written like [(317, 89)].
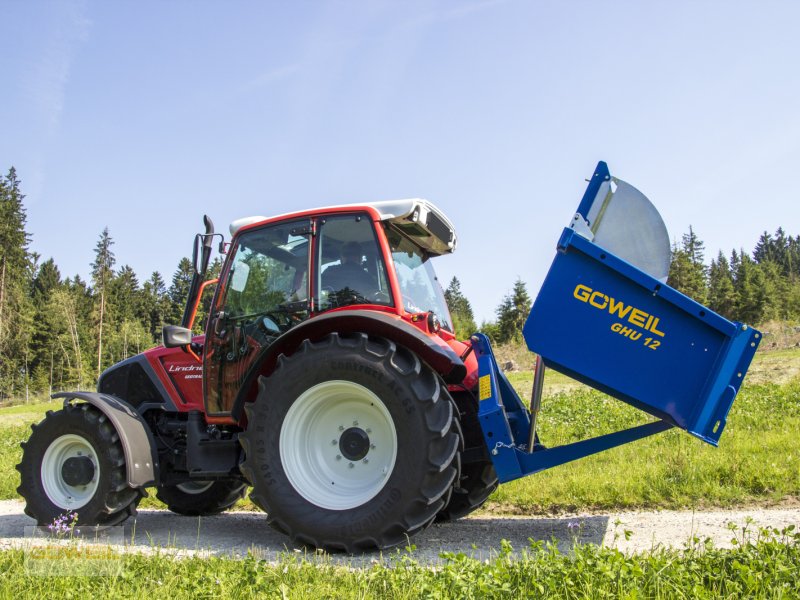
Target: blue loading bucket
[(607, 324)]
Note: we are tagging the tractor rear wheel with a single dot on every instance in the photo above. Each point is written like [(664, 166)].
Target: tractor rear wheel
[(73, 462), (351, 444), (201, 498), (478, 477), (478, 481)]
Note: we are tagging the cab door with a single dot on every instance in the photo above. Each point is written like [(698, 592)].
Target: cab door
[(263, 293)]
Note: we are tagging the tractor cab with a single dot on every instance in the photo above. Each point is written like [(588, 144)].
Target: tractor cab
[(369, 254), (285, 271)]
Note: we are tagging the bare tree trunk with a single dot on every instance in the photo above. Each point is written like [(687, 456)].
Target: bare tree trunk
[(100, 331), (27, 378), (72, 326), (64, 354), (2, 296)]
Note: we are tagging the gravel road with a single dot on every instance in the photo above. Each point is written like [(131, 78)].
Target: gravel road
[(236, 533)]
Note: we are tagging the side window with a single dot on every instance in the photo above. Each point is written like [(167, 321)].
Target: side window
[(269, 276), (351, 268)]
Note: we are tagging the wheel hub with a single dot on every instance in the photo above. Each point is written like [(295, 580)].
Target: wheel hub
[(70, 471), (354, 443), (338, 444), (77, 470)]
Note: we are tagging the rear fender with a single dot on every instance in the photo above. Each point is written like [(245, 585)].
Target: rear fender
[(141, 460), (431, 349)]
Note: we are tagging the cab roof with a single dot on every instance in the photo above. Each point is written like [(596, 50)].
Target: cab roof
[(418, 219)]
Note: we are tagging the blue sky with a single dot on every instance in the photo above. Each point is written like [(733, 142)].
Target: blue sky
[(141, 116)]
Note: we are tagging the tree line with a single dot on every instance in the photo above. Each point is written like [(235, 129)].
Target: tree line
[(61, 332), (749, 287)]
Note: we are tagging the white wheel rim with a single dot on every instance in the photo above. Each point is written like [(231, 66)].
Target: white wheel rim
[(58, 491), (194, 487), (311, 445)]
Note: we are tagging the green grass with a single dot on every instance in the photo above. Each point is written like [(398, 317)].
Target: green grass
[(758, 461), (766, 568)]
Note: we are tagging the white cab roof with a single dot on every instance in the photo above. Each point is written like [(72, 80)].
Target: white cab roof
[(408, 214)]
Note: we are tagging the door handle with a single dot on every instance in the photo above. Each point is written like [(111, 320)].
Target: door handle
[(220, 316)]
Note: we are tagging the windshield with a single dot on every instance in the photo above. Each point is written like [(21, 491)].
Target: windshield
[(418, 282)]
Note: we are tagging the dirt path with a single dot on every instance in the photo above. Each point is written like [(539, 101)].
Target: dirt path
[(236, 533)]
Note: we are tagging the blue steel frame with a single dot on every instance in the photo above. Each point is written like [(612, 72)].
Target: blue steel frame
[(601, 175), (504, 420)]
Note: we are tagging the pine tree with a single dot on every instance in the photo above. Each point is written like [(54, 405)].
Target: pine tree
[(793, 256), (179, 290), (16, 315), (749, 284), (721, 293), (687, 272), (124, 294), (102, 274), (155, 305), (460, 310), (43, 345), (765, 248), (512, 313)]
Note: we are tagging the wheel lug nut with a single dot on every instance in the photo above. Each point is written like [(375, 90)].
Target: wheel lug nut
[(365, 461), (355, 423), (341, 427), (333, 442), (372, 446), (368, 430), (351, 465), (338, 457)]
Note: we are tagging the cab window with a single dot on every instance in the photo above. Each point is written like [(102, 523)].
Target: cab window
[(269, 275), (351, 268)]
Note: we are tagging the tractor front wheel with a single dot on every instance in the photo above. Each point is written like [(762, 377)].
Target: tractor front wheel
[(73, 462), (351, 444)]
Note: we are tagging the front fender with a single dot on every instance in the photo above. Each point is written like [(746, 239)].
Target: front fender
[(141, 460)]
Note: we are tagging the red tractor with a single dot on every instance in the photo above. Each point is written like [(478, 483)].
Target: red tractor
[(329, 378)]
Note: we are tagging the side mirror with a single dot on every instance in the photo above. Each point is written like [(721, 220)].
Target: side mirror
[(175, 336)]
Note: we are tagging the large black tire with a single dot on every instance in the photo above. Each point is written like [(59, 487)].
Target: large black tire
[(478, 481), (478, 478), (106, 499), (310, 411), (194, 500)]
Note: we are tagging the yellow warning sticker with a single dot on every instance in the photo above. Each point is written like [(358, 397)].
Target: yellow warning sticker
[(485, 387)]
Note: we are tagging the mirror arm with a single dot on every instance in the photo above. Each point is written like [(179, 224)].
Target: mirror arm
[(199, 297)]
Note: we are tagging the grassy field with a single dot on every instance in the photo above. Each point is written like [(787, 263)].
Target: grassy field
[(758, 461), (765, 568)]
